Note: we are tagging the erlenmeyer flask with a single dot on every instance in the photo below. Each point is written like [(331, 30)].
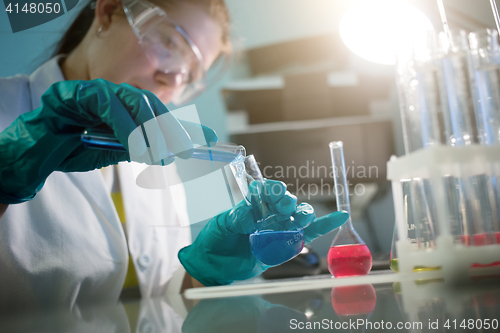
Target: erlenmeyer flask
[(393, 258), (420, 235), (348, 254), (410, 225), (276, 238), (411, 234)]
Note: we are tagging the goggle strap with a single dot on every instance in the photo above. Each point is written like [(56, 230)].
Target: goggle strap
[(195, 48), (139, 12)]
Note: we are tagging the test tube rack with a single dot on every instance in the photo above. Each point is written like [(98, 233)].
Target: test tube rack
[(453, 258)]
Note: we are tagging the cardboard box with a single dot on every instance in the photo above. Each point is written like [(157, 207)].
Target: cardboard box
[(327, 48), (262, 105), (305, 96), (298, 153), (303, 79)]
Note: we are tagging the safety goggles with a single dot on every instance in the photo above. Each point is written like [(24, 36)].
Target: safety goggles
[(169, 49)]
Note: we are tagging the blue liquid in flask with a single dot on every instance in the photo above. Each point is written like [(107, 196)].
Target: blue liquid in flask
[(276, 247)]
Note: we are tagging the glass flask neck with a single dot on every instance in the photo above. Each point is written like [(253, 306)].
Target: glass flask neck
[(347, 235), (339, 176), (342, 191)]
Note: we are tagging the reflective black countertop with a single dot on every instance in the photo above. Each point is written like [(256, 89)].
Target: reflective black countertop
[(417, 304)]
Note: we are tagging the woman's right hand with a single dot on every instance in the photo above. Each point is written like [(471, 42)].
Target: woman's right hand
[(48, 139)]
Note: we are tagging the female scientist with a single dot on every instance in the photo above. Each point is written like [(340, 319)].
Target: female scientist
[(61, 240)]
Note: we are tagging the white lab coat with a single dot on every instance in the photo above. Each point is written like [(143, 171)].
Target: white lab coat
[(67, 246)]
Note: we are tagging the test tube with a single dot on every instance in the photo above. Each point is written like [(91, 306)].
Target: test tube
[(477, 213), (423, 106), (459, 82), (221, 152), (459, 120), (495, 14), (421, 93), (485, 55)]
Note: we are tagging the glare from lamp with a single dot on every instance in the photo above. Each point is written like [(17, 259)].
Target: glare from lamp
[(373, 29)]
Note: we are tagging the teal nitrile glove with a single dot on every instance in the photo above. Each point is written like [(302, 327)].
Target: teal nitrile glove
[(48, 139), (221, 253)]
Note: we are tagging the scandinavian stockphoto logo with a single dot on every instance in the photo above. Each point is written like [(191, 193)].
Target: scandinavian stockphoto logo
[(26, 14), (200, 187)]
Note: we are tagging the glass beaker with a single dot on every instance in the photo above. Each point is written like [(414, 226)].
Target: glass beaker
[(276, 238), (348, 254)]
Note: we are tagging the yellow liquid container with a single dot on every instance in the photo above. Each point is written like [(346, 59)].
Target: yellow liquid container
[(393, 264)]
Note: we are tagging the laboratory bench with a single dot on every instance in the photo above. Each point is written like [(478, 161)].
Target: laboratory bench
[(382, 301)]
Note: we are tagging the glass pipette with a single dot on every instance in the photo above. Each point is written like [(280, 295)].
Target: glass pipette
[(221, 152), (444, 20), (495, 14)]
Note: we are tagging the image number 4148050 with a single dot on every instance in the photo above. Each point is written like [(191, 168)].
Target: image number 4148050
[(39, 8), (26, 14)]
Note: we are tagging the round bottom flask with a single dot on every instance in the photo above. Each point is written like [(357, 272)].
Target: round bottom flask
[(276, 240), (348, 254)]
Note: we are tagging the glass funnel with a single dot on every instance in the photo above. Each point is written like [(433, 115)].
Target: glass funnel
[(276, 238), (348, 254)]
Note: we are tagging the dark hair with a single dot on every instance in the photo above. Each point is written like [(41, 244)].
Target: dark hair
[(77, 31), (217, 9)]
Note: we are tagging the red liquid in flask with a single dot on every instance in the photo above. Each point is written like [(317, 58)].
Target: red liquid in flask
[(349, 260)]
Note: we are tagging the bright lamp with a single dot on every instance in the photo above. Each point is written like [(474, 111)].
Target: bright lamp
[(372, 29)]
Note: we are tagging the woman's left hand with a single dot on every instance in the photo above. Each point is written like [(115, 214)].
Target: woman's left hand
[(221, 253)]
